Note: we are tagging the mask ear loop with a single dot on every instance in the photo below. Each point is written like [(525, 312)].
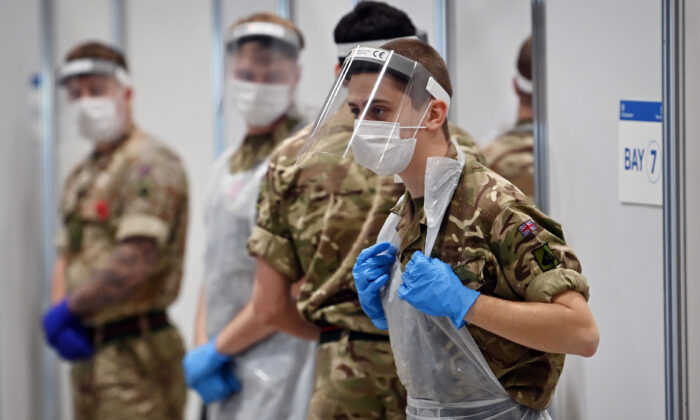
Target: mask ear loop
[(420, 122)]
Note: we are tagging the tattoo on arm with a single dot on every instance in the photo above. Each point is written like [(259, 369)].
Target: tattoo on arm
[(129, 266)]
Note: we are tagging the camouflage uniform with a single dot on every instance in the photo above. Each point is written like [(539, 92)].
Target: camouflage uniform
[(139, 188), (501, 245), (511, 155), (312, 224)]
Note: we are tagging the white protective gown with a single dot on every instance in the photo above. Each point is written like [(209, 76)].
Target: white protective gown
[(277, 374)]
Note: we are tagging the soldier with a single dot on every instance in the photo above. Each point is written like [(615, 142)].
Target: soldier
[(511, 154), (275, 375), (312, 222), (463, 246), (120, 249)]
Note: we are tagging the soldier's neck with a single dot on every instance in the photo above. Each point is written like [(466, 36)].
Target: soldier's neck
[(414, 175)]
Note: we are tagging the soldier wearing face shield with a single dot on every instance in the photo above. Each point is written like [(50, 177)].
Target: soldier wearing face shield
[(311, 224), (479, 292), (121, 242), (273, 378)]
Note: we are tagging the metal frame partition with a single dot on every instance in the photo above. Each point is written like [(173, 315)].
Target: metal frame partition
[(675, 275)]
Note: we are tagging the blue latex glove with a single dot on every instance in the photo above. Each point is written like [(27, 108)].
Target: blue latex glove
[(202, 362), (432, 287), (218, 385), (371, 271), (66, 334)]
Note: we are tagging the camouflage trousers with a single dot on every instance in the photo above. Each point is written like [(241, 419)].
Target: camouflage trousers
[(356, 380), (134, 378)]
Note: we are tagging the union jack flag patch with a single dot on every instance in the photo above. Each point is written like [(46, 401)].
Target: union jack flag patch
[(527, 228)]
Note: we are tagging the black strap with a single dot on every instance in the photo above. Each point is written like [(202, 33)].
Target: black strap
[(335, 335), (131, 327)]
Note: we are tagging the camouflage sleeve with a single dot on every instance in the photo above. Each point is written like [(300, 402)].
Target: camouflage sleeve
[(153, 195), (536, 262), (271, 238), (61, 239)]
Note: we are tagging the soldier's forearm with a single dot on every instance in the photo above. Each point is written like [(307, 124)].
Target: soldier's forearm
[(129, 266), (564, 326), (242, 332), (58, 283), (275, 306)]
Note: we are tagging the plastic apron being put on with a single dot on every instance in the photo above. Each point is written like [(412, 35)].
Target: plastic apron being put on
[(442, 368), (277, 374)]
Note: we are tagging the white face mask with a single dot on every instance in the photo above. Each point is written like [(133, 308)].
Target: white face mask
[(99, 119), (377, 146), (259, 103)]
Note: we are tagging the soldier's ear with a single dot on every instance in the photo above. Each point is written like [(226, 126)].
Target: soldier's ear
[(436, 116)]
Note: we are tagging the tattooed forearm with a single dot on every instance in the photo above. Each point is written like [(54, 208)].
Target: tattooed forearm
[(130, 265)]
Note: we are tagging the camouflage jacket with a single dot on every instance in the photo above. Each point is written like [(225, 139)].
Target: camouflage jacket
[(500, 244), (257, 147), (314, 221), (511, 155), (139, 188)]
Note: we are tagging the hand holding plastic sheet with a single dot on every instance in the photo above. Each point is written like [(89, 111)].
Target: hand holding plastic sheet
[(371, 271), (432, 287), (209, 372), (66, 334)]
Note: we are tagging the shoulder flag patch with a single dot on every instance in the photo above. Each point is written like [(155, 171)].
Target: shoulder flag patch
[(527, 228), (545, 257)]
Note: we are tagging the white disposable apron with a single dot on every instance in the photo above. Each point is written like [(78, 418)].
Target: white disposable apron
[(276, 374), (442, 368)]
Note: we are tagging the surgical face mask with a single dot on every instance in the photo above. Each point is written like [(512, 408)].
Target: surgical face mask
[(377, 146), (99, 119), (259, 103)]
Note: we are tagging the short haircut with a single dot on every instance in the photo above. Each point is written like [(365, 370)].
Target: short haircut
[(524, 68), (372, 20), (266, 41), (97, 50), (524, 63), (426, 55)]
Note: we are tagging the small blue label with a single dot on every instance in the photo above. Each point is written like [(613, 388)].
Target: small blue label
[(640, 111)]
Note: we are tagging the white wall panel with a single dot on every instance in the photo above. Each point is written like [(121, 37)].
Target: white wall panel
[(487, 38), (599, 52), (21, 343), (170, 54)]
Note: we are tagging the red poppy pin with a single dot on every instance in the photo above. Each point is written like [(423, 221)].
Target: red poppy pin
[(102, 209)]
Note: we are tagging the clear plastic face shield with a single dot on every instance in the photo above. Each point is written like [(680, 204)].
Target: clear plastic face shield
[(94, 99), (388, 96), (261, 72)]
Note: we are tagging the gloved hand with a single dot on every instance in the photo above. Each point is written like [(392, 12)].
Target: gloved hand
[(66, 334), (217, 385), (202, 362), (371, 271), (432, 287)]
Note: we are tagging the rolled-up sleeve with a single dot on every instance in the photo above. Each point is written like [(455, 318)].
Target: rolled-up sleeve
[(535, 260)]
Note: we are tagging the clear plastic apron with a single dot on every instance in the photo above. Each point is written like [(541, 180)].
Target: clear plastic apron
[(442, 368), (276, 374)]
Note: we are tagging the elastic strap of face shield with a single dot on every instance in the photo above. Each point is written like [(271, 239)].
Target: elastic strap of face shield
[(437, 91), (269, 29), (523, 84), (85, 66)]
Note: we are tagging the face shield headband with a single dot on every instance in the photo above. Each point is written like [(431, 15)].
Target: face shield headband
[(86, 66), (263, 29)]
